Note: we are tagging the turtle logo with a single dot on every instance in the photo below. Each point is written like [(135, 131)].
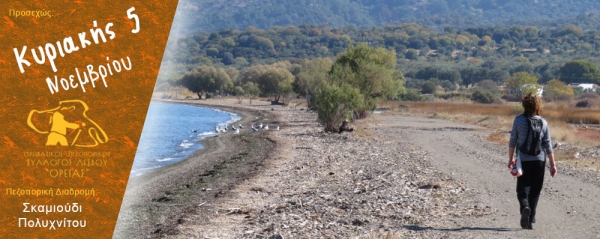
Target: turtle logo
[(64, 125)]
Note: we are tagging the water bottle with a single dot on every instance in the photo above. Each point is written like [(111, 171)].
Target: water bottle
[(517, 169), (514, 171)]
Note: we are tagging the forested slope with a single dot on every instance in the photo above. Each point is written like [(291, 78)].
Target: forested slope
[(212, 15)]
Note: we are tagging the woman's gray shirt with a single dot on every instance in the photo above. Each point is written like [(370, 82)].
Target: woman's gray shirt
[(519, 134)]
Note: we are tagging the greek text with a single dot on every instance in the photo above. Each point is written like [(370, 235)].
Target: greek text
[(29, 13)]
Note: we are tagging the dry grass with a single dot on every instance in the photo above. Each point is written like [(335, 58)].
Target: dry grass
[(558, 112), (455, 108), (499, 117), (573, 115), (562, 132), (362, 132), (360, 126), (499, 138)]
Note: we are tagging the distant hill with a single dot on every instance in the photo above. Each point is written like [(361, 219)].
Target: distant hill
[(195, 16)]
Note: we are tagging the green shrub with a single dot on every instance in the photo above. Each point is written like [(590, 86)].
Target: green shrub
[(428, 88), (412, 95), (334, 104), (453, 95), (448, 85), (484, 97)]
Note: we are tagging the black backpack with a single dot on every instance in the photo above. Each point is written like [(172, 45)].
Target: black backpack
[(533, 143)]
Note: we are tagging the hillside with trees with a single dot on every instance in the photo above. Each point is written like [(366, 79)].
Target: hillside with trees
[(450, 59), (214, 15), (343, 71)]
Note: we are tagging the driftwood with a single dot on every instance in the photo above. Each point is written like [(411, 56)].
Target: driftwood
[(345, 186), (345, 128)]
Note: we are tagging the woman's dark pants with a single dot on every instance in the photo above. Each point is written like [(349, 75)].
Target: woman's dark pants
[(529, 185)]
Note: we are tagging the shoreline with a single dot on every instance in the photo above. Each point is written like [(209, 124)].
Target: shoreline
[(176, 154), (156, 202), (386, 180)]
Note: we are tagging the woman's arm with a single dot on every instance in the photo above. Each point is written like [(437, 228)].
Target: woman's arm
[(511, 160), (547, 145), (552, 164), (512, 143)]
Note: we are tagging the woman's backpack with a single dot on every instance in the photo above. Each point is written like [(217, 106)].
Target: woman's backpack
[(533, 143)]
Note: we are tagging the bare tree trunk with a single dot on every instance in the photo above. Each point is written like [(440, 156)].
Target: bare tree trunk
[(333, 123), (331, 128), (277, 96), (360, 114)]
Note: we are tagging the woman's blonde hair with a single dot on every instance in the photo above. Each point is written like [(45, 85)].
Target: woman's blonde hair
[(532, 104)]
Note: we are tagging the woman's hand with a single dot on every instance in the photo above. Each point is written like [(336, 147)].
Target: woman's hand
[(511, 163), (553, 170)]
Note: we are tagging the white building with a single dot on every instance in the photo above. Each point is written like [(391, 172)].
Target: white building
[(586, 86), (540, 88)]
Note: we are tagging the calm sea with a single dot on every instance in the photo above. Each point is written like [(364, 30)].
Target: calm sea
[(172, 131)]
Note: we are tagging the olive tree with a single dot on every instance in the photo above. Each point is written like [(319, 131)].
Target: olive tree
[(580, 71), (522, 83), (312, 74), (272, 80), (335, 103), (357, 79), (558, 90), (205, 79), (251, 90), (372, 71)]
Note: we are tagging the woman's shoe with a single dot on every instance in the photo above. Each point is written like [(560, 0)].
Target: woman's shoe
[(525, 218)]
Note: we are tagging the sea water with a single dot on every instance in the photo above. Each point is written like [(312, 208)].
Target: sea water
[(172, 131)]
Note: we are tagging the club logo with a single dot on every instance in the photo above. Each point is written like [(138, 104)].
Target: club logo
[(64, 125)]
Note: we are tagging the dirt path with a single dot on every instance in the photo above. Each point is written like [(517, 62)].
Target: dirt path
[(399, 177), (569, 205)]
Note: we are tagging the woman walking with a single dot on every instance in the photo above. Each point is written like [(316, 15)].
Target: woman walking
[(531, 135)]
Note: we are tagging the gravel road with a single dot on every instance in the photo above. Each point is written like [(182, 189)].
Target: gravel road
[(569, 205), (397, 177)]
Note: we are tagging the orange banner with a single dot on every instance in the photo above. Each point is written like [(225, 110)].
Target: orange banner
[(76, 82)]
